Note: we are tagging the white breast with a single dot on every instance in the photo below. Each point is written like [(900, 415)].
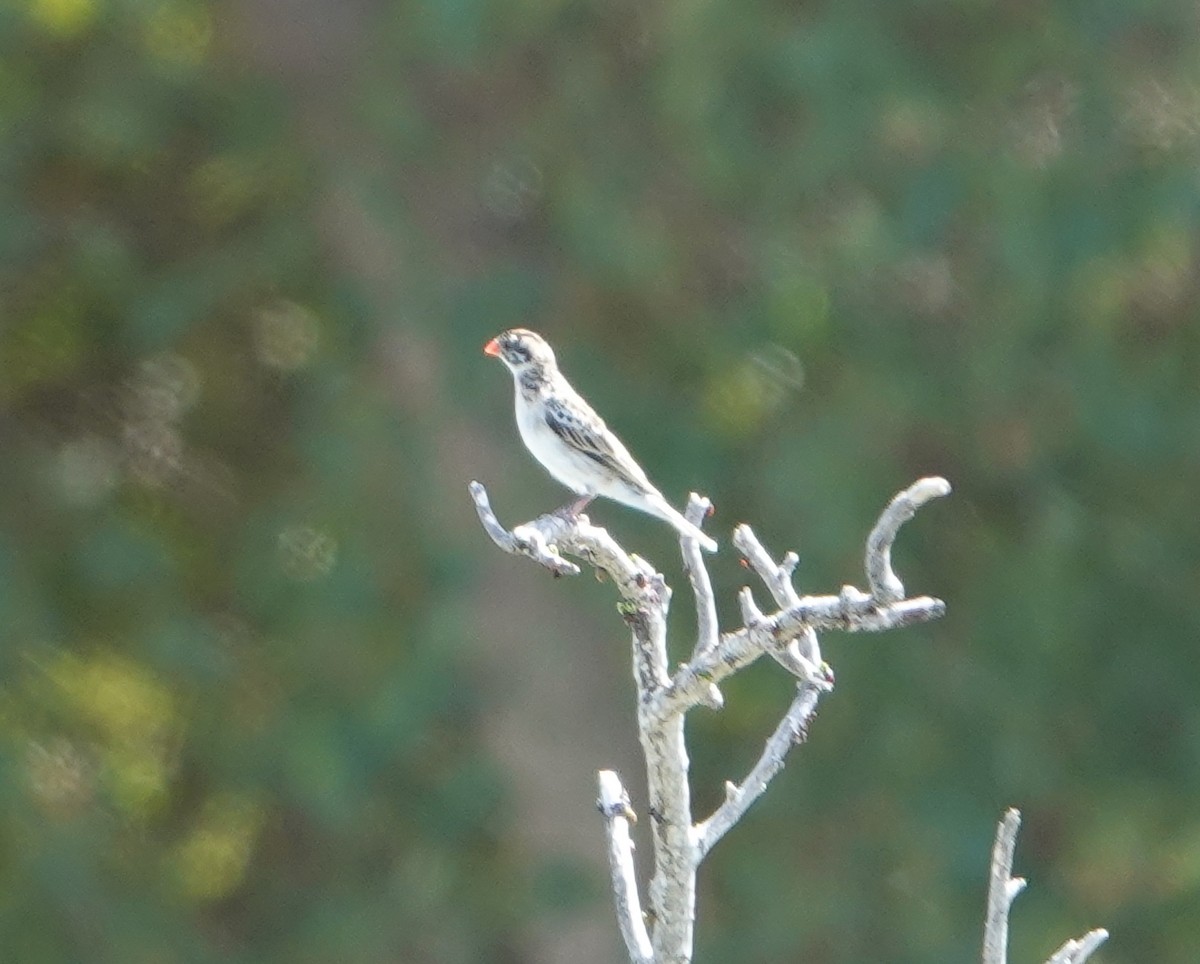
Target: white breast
[(574, 471)]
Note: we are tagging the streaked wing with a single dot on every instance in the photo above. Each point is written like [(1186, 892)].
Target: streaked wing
[(586, 433)]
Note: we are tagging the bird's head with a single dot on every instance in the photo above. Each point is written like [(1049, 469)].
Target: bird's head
[(525, 353)]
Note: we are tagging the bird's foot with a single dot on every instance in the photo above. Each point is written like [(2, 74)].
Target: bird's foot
[(570, 511)]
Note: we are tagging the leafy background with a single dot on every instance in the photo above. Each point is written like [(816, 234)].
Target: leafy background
[(266, 692)]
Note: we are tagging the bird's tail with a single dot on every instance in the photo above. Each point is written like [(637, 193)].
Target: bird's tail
[(668, 513)]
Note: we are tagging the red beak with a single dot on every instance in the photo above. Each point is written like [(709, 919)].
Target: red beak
[(492, 348)]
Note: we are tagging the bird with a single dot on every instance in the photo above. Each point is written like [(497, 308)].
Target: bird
[(571, 441)]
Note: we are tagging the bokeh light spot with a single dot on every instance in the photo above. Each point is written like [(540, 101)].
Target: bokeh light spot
[(1036, 128), (286, 335), (61, 779), (133, 713), (136, 775), (164, 388), (306, 553), (160, 392), (153, 452), (512, 188), (1162, 116), (779, 368), (64, 18), (741, 398), (122, 697), (212, 861)]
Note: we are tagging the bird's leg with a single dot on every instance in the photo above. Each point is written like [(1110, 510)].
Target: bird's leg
[(571, 510)]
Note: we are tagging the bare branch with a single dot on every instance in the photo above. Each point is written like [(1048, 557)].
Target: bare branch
[(693, 562), (645, 600), (614, 805), (1002, 890), (884, 584), (1076, 951), (777, 578), (792, 729), (788, 635), (853, 613), (534, 539), (672, 890), (712, 698), (752, 616), (802, 654), (543, 538), (850, 612)]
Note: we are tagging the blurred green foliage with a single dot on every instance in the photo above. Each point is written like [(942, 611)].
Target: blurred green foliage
[(235, 722), (797, 253)]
